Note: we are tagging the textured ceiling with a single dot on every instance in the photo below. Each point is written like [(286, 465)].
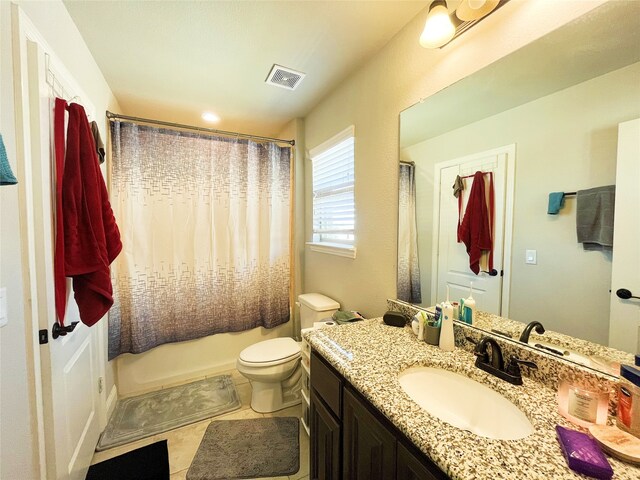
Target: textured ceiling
[(174, 60)]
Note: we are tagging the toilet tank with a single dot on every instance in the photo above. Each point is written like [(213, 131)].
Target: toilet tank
[(315, 307)]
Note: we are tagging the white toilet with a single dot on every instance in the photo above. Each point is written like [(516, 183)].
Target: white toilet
[(273, 366)]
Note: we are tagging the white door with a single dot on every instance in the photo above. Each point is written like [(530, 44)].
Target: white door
[(70, 365), (624, 326), (452, 263)]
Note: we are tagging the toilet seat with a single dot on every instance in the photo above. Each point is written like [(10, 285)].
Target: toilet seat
[(270, 352)]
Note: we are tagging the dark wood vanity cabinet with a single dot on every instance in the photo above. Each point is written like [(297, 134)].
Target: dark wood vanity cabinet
[(325, 441), (352, 440), (369, 449)]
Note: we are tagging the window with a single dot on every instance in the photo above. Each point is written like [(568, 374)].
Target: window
[(333, 203)]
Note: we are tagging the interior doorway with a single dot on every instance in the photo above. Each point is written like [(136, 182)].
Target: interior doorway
[(450, 259)]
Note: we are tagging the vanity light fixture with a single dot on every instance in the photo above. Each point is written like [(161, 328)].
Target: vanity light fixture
[(438, 29), (210, 117), (442, 27), (470, 10)]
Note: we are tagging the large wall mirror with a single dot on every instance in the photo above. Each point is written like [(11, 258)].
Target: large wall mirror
[(543, 119)]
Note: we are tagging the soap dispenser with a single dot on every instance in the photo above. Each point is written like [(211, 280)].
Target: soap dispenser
[(447, 342)]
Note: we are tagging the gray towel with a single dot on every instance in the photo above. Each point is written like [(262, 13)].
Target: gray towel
[(594, 217), (95, 131)]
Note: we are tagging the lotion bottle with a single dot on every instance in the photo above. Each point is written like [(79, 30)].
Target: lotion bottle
[(446, 330), (469, 306)]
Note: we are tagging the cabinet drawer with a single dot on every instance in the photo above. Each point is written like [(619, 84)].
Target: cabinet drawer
[(326, 383)]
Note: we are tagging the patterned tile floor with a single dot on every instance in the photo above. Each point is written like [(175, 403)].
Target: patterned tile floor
[(183, 442)]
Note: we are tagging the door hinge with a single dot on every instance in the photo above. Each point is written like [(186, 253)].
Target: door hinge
[(43, 336), (100, 384)]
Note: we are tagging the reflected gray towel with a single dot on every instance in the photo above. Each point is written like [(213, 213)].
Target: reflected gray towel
[(594, 217)]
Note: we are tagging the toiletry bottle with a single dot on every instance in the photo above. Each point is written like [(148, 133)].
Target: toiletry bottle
[(447, 307), (469, 306), (446, 330), (420, 326), (415, 324), (628, 414)]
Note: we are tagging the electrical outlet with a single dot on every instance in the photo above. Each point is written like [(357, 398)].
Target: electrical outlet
[(531, 257), (3, 307), (100, 384)]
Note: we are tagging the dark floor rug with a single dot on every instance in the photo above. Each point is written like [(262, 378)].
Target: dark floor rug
[(146, 463), (258, 447), (156, 412)]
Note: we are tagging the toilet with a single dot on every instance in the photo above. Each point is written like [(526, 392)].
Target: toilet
[(273, 366)]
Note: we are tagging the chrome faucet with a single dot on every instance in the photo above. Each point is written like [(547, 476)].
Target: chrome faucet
[(524, 338), (493, 362)]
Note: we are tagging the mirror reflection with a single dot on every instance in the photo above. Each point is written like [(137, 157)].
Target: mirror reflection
[(543, 120)]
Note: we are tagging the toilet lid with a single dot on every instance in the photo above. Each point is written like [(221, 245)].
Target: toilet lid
[(271, 350)]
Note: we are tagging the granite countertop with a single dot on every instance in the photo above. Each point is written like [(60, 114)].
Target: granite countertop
[(370, 355)]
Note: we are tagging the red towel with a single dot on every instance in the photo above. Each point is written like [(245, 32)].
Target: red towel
[(475, 231), (59, 278), (91, 236)]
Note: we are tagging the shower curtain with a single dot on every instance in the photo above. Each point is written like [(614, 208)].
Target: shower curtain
[(205, 233), (408, 265)]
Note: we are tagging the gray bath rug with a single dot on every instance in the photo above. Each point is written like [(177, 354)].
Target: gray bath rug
[(156, 412), (259, 447)]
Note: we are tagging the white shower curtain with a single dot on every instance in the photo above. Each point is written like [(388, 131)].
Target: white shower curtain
[(408, 265), (205, 229)]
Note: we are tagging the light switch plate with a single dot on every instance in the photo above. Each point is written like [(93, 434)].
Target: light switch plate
[(3, 307), (531, 257)]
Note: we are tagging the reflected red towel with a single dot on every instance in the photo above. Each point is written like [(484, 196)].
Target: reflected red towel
[(474, 231), (91, 236)]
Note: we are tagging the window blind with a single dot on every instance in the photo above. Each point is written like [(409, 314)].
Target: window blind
[(333, 185)]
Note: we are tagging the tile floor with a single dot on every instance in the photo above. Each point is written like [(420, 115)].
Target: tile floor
[(183, 442)]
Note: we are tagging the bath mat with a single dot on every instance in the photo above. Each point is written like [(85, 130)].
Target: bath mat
[(156, 412), (146, 463), (259, 447)]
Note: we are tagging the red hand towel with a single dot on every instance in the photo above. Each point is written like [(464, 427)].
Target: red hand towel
[(474, 231), (59, 277), (91, 236)]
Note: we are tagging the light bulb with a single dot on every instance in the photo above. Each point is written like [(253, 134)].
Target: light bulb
[(438, 29), (210, 117)]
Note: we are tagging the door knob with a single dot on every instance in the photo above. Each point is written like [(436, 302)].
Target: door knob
[(625, 294)]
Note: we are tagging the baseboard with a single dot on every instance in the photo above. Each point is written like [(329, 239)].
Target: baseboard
[(111, 401)]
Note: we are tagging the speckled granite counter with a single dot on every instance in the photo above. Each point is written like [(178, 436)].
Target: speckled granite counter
[(370, 355)]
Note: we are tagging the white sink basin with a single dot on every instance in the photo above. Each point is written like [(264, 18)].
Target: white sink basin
[(465, 403)]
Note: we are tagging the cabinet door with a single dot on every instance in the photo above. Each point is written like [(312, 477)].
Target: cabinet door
[(324, 442), (369, 448), (411, 468)]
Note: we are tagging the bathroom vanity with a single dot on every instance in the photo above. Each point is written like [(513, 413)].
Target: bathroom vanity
[(364, 425), (351, 439)]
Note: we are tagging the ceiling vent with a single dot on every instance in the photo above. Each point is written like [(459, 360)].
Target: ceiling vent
[(284, 77)]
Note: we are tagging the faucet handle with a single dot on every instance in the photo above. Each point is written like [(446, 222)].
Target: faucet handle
[(514, 366)]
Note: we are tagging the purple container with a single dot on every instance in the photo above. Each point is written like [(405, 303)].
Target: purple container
[(583, 454)]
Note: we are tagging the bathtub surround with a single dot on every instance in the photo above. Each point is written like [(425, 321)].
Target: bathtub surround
[(145, 415), (205, 221), (258, 447)]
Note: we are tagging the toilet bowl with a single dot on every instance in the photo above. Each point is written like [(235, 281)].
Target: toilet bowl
[(273, 366)]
